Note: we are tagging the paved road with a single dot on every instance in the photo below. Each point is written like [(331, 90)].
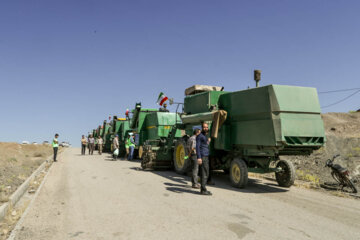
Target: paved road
[(90, 197)]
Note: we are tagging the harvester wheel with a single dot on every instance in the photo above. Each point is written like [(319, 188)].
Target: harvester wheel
[(181, 164), (238, 173), (286, 177), (141, 152)]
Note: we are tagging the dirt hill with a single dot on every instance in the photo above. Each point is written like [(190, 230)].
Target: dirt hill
[(17, 163), (343, 137)]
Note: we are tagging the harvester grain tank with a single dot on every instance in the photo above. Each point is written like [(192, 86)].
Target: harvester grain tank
[(251, 129)]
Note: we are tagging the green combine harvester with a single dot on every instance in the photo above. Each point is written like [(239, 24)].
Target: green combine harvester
[(106, 136), (117, 129), (123, 131), (150, 125), (250, 130)]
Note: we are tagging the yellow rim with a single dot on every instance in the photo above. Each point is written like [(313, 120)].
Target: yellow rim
[(180, 156), (235, 173), (140, 151)]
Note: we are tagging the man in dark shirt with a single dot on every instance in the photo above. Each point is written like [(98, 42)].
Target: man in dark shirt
[(202, 152)]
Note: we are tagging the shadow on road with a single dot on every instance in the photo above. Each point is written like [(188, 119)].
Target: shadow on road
[(180, 188), (181, 183)]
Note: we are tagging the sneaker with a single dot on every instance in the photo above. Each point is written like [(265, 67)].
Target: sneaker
[(196, 186), (205, 192)]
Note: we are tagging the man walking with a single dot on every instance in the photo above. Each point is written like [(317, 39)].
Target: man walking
[(131, 147), (202, 152), (100, 145), (194, 161), (116, 147), (91, 144), (55, 145), (83, 145)]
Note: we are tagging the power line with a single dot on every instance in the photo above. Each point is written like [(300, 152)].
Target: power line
[(340, 90), (342, 99)]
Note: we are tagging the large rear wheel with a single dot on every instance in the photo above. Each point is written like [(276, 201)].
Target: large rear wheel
[(238, 173), (285, 177), (181, 163)]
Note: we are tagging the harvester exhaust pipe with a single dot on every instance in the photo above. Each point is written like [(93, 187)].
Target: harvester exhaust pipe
[(257, 77), (114, 121)]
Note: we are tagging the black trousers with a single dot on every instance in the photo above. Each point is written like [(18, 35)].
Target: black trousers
[(83, 149), (55, 152), (204, 172)]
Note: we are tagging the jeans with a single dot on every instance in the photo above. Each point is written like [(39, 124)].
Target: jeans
[(55, 153), (204, 170), (83, 148), (195, 169), (131, 153), (91, 148)]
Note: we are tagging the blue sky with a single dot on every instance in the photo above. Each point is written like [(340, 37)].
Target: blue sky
[(66, 65)]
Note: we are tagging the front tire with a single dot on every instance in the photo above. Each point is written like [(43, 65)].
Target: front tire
[(141, 152), (286, 177), (351, 185), (181, 164), (238, 173)]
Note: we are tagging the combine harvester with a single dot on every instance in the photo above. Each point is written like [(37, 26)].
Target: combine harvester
[(250, 130), (106, 127), (149, 124), (117, 127)]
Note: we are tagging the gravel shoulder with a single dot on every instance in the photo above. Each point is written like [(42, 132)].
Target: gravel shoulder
[(90, 197)]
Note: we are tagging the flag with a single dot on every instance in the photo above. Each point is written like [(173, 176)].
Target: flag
[(127, 112), (162, 98)]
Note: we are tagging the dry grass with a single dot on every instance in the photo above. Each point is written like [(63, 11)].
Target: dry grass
[(10, 220), (16, 165)]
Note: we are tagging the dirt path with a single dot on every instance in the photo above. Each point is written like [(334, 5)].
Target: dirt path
[(89, 197)]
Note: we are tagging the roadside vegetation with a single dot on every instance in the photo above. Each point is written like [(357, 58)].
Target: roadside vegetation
[(17, 163)]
